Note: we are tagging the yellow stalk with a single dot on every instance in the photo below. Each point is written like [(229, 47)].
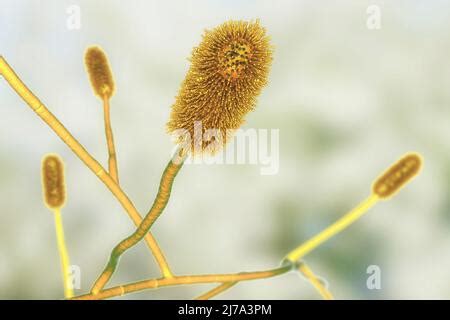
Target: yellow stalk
[(332, 230), (316, 282), (384, 187), (216, 291), (183, 280), (160, 202), (112, 159), (63, 254), (35, 104)]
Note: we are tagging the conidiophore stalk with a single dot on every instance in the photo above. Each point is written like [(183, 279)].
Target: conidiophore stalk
[(389, 183), (55, 198), (102, 82), (228, 70), (78, 149)]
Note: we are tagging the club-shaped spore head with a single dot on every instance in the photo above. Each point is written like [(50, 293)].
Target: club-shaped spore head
[(399, 174), (53, 181), (99, 72), (228, 70)]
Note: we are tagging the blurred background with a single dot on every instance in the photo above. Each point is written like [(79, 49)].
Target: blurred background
[(348, 101)]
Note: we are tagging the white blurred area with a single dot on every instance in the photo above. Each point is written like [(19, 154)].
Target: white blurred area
[(348, 101)]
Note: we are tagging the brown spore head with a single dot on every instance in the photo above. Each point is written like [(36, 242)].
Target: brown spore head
[(400, 173), (228, 70), (99, 71), (53, 181)]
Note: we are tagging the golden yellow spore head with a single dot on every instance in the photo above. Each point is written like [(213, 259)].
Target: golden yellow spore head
[(53, 181), (397, 175), (227, 73), (99, 72)]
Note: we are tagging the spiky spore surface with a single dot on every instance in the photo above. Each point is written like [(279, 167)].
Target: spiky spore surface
[(227, 73)]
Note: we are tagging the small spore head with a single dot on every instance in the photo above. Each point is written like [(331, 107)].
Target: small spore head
[(397, 175), (53, 181), (99, 72)]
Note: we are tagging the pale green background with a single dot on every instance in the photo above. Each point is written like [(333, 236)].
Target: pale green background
[(348, 101)]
